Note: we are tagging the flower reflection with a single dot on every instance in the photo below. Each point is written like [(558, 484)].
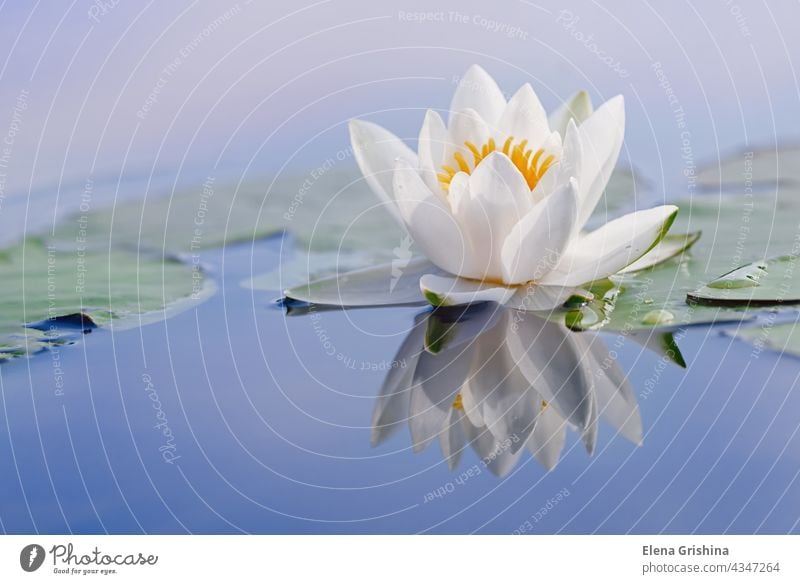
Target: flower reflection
[(502, 382)]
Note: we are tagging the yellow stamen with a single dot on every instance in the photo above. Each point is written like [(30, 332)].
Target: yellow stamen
[(458, 404), (525, 159), (475, 152), (462, 164)]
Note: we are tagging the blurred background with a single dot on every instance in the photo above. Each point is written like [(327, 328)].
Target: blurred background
[(121, 88)]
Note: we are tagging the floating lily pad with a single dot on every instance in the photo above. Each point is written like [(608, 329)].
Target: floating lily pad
[(735, 230), (331, 211), (49, 291), (765, 282)]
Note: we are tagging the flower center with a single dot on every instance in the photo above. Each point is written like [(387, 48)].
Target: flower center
[(531, 165)]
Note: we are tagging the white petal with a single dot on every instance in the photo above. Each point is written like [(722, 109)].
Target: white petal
[(577, 108), (607, 250), (668, 248), (376, 151), (535, 244), (487, 204), (465, 126), (432, 140), (430, 222), (558, 174), (601, 139), (571, 161), (477, 90), (386, 284), (453, 291), (524, 118), (540, 298)]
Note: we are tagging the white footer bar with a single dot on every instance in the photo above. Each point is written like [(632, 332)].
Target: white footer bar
[(388, 559)]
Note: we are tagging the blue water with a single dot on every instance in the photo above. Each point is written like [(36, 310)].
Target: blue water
[(267, 433)]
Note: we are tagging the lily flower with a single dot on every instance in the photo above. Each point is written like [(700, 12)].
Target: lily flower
[(499, 197)]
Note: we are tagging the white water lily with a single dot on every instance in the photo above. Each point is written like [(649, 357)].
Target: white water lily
[(498, 198)]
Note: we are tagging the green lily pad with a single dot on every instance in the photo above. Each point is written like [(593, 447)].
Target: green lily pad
[(735, 230), (42, 283), (325, 211), (765, 282)]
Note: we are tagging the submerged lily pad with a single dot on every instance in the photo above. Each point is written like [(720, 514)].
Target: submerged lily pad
[(746, 171), (765, 282), (783, 338), (49, 291)]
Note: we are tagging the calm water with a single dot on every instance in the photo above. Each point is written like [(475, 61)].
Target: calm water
[(234, 417)]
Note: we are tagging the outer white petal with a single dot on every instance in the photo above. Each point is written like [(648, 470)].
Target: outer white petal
[(540, 298), (433, 138), (376, 151), (577, 108), (524, 118), (601, 139), (668, 248), (610, 248), (447, 291), (429, 221), (536, 243), (477, 90)]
